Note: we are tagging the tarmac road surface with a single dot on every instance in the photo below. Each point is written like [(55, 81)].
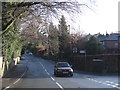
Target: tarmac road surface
[(39, 74)]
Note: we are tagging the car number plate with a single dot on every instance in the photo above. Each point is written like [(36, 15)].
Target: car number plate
[(65, 72)]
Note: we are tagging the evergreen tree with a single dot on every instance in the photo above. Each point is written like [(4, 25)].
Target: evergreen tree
[(93, 46), (64, 38)]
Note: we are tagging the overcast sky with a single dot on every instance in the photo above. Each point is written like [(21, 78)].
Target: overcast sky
[(103, 19)]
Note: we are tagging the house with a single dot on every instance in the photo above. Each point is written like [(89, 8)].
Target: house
[(110, 41)]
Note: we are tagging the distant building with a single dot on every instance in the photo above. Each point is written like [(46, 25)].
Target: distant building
[(75, 36), (110, 41)]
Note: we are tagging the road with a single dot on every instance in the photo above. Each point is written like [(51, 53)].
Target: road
[(40, 75)]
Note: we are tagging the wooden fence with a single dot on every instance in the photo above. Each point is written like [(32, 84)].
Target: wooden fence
[(96, 63)]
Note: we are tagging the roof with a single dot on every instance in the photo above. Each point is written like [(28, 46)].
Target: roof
[(113, 36), (62, 62), (41, 48)]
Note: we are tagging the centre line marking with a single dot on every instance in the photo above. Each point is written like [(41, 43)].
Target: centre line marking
[(51, 77), (59, 85)]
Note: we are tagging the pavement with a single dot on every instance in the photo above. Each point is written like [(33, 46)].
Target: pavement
[(14, 74)]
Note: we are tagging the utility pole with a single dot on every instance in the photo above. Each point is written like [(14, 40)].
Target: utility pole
[(119, 43), (47, 19)]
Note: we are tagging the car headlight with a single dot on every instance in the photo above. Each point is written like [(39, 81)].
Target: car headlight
[(71, 70), (59, 70)]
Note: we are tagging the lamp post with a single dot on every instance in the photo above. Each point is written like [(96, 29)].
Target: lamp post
[(119, 43)]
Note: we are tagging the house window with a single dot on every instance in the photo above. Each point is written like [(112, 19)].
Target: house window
[(116, 44), (103, 43)]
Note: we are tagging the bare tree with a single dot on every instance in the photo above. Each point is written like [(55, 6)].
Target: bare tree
[(44, 11)]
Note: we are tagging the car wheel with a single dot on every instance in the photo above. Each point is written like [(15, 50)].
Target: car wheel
[(71, 74), (54, 73)]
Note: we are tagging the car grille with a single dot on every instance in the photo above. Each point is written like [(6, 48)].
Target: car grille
[(65, 70)]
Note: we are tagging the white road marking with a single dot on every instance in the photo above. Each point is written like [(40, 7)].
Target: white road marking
[(45, 69), (118, 87), (112, 84), (100, 82), (104, 83), (59, 85), (6, 87), (95, 80), (116, 84), (88, 78), (15, 81), (109, 84), (51, 77)]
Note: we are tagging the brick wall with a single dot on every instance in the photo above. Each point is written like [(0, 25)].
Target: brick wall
[(111, 44)]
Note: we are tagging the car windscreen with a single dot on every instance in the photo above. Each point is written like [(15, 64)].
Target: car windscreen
[(63, 65)]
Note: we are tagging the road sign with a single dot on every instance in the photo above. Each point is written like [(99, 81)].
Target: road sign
[(74, 50), (82, 51)]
